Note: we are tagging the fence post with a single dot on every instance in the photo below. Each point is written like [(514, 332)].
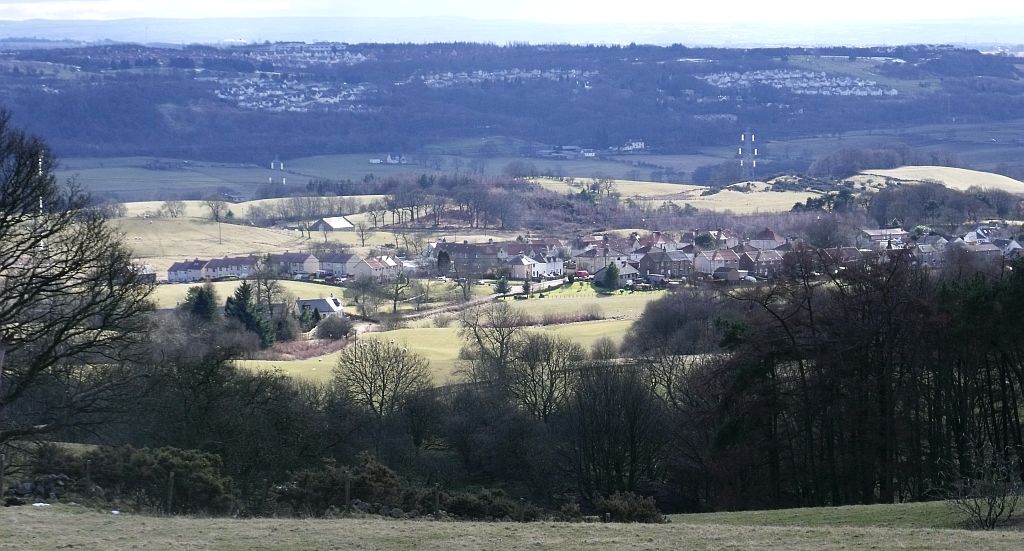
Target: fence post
[(88, 476), (437, 498), (348, 491), (170, 492), (3, 465)]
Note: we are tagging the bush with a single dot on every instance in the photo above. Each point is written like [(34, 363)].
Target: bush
[(489, 504), (628, 507), (334, 328), (443, 320), (200, 486), (316, 490)]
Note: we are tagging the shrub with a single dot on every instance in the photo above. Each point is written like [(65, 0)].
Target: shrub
[(985, 487), (334, 328), (628, 507), (489, 504), (443, 320), (143, 474)]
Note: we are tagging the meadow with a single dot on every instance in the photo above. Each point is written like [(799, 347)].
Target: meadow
[(956, 178), (66, 526)]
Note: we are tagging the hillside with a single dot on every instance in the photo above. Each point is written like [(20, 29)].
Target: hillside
[(64, 526), (956, 178)]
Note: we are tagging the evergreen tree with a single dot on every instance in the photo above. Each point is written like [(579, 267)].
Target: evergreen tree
[(242, 306), (611, 277), (201, 301)]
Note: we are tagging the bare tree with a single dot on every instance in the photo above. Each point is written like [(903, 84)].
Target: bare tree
[(363, 232), (172, 208), (492, 331), (542, 374), (71, 302), (381, 376), (217, 208)]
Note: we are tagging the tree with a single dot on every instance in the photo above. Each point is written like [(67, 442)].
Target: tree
[(172, 209), (502, 287), (72, 304), (201, 302), (363, 232), (242, 307), (492, 331), (542, 374), (398, 290), (367, 294), (381, 376), (611, 277), (217, 208), (527, 286)]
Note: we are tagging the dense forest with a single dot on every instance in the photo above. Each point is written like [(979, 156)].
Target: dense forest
[(254, 102)]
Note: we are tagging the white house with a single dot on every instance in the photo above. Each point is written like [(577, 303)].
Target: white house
[(239, 266), (338, 264), (765, 239), (523, 267), (706, 262), (186, 272)]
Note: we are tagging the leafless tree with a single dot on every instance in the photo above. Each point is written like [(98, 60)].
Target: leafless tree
[(362, 232), (172, 208), (542, 374), (381, 376), (492, 331), (217, 208), (71, 303)]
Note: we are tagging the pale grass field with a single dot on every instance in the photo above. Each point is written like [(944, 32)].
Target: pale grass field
[(440, 345), (173, 294), (64, 527), (198, 209), (955, 178), (656, 194)]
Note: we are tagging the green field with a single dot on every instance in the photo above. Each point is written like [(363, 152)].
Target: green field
[(69, 526), (172, 294), (936, 514), (441, 346)]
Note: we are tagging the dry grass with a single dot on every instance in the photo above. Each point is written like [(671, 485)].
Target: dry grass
[(63, 527), (757, 199), (441, 346), (173, 294), (955, 178)]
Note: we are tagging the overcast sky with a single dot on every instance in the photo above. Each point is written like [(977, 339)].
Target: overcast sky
[(538, 11)]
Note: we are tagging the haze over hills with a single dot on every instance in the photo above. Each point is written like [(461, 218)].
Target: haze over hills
[(448, 29)]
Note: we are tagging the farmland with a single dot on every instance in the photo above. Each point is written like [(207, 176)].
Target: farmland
[(441, 346), (65, 526), (955, 178)]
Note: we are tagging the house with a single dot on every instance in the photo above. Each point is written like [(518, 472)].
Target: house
[(333, 223), (596, 258), (671, 264), (706, 262), (238, 266), (338, 264), (1011, 248), (627, 274), (322, 306), (490, 257), (145, 273), (926, 255), (392, 267), (369, 268), (766, 263), (295, 263), (522, 267), (186, 271), (765, 239), (728, 274), (886, 238)]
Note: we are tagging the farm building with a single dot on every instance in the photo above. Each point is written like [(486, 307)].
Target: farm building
[(186, 272), (333, 223)]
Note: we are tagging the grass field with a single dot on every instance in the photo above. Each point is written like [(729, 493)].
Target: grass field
[(170, 295), (581, 297), (441, 346), (198, 209), (955, 178), (66, 526), (934, 514)]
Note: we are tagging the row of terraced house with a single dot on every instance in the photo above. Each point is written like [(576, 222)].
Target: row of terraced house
[(293, 265)]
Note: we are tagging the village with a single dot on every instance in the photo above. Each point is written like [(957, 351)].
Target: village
[(637, 261)]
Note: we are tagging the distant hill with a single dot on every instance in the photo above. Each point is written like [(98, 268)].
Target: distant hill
[(956, 178)]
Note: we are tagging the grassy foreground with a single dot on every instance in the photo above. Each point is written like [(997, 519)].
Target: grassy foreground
[(64, 526)]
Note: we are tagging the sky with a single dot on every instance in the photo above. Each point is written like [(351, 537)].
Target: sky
[(601, 12)]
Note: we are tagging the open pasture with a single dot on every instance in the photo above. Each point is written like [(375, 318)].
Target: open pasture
[(956, 178), (67, 526), (441, 346), (173, 294)]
